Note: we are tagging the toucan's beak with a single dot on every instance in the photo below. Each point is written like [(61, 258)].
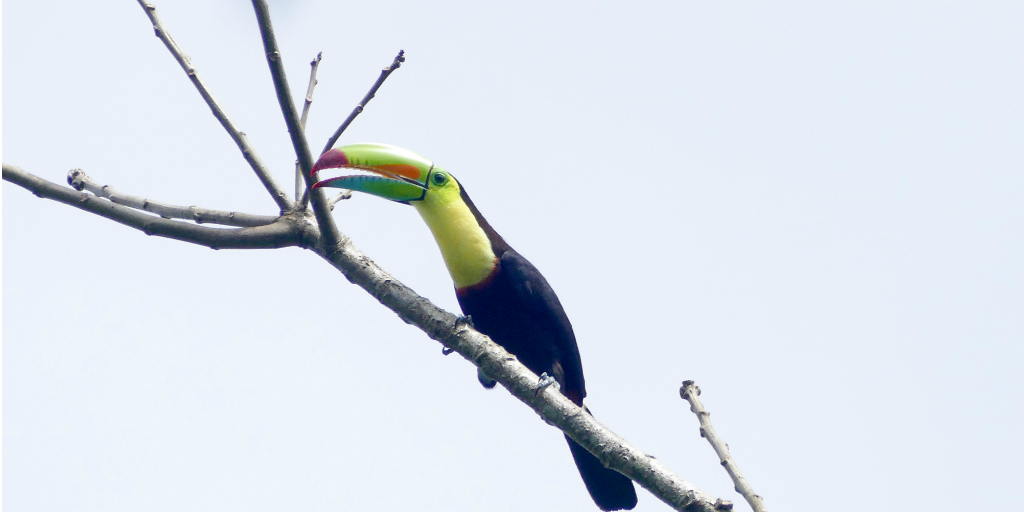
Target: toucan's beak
[(399, 174)]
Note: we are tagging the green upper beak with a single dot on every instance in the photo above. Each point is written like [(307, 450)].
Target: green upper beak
[(401, 175)]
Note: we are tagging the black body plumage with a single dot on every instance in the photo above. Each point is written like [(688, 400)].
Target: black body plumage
[(519, 310)]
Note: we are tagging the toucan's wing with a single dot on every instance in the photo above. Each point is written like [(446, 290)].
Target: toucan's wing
[(609, 488), (535, 292)]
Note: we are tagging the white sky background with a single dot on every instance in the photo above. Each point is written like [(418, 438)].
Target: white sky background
[(813, 210)]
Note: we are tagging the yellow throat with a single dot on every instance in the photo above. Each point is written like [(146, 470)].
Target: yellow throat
[(464, 245)]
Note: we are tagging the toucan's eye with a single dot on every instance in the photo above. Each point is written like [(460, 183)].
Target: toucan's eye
[(439, 179)]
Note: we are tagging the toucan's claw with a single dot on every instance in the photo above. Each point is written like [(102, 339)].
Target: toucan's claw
[(545, 381), (485, 381), (464, 320)]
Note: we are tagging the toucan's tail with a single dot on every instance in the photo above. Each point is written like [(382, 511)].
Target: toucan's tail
[(610, 489)]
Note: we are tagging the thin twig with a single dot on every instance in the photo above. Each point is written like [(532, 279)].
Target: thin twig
[(81, 181), (689, 392), (328, 230), (384, 74), (299, 188), (309, 88), (240, 139), (340, 197), (286, 231)]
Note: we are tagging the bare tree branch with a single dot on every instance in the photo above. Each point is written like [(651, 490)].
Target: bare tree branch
[(81, 181), (328, 230), (240, 139), (384, 74), (340, 197), (314, 64), (689, 392), (287, 231), (299, 189), (497, 363)]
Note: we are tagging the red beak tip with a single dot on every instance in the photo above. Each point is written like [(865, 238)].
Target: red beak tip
[(329, 160)]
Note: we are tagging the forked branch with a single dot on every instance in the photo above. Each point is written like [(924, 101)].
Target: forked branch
[(81, 181), (286, 231), (328, 230), (240, 139), (384, 74)]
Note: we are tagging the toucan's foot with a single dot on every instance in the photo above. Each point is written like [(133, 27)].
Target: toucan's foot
[(545, 381), (485, 381), (464, 320)]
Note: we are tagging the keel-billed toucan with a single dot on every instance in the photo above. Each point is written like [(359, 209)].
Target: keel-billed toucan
[(505, 296)]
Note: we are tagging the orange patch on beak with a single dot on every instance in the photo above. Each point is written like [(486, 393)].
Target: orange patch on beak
[(405, 170)]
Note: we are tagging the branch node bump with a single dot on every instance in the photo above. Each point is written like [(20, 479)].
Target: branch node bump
[(721, 504), (76, 178)]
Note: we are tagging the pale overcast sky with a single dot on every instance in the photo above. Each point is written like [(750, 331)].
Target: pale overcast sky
[(812, 209)]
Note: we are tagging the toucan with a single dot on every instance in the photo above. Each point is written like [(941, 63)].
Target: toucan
[(503, 294)]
